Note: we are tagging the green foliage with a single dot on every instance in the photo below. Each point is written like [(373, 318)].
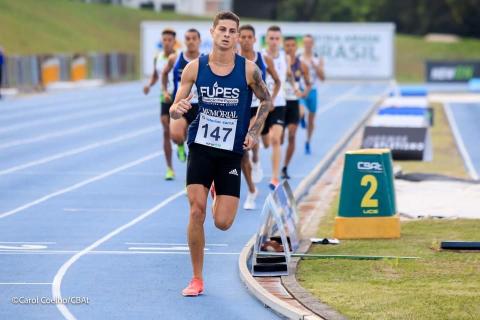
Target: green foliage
[(410, 16)]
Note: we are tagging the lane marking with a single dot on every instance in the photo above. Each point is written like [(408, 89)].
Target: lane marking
[(79, 150), (46, 110), (99, 210), (174, 244), (24, 247), (27, 242), (74, 116), (162, 248), (461, 145), (81, 184), (57, 280), (337, 100), (107, 252), (25, 283), (62, 133)]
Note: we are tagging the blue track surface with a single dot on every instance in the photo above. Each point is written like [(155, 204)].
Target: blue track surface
[(467, 118), (85, 211)]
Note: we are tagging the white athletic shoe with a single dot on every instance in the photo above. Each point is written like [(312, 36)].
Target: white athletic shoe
[(250, 201), (257, 172)]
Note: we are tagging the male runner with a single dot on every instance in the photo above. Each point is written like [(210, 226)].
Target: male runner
[(219, 134), (293, 92), (265, 64), (315, 68), (275, 122), (177, 62), (168, 43)]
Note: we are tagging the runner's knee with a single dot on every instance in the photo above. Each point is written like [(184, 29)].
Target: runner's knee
[(197, 214), (223, 223)]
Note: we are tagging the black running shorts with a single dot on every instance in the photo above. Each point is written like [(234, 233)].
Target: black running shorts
[(207, 164), (191, 114), (165, 108), (292, 112), (277, 116)]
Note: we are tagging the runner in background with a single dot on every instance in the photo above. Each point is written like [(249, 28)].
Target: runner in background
[(159, 61), (177, 62), (265, 64), (274, 125), (316, 72), (293, 92)]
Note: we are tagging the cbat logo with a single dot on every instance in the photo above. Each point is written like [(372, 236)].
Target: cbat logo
[(220, 92), (369, 166)]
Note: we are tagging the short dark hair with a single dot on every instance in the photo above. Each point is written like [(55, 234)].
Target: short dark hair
[(194, 30), (247, 27), (308, 35), (226, 15), (170, 32), (289, 38), (274, 28)]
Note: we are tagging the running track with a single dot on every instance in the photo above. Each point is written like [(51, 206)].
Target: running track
[(466, 119), (85, 211)]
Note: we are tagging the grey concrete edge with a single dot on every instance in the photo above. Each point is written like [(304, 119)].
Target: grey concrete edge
[(301, 191)]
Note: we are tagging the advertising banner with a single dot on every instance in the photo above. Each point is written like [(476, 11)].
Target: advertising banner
[(349, 50)]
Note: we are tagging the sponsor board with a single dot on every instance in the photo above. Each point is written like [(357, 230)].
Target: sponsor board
[(406, 143), (350, 50), (451, 71)]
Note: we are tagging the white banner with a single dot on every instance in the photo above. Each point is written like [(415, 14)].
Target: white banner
[(350, 50)]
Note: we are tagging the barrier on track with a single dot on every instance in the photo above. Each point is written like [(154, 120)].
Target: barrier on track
[(277, 237)]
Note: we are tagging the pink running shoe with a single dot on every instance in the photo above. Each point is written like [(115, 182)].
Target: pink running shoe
[(195, 288)]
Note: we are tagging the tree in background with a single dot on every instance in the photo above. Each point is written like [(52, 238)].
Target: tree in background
[(460, 17)]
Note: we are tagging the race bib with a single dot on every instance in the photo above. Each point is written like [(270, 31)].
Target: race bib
[(290, 91), (216, 132)]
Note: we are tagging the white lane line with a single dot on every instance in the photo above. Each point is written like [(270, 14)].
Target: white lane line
[(62, 133), (26, 242), (74, 116), (337, 100), (173, 244), (25, 283), (161, 248), (58, 107), (461, 146), (75, 151), (57, 280), (106, 252), (81, 184), (99, 210), (23, 247)]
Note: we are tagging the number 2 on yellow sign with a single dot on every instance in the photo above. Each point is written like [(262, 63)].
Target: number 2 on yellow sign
[(367, 201)]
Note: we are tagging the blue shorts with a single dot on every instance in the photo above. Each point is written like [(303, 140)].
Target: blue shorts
[(310, 101)]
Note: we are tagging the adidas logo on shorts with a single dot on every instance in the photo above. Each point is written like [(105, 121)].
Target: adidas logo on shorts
[(234, 172)]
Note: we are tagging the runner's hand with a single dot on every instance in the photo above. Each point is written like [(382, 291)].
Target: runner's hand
[(146, 89), (250, 141), (184, 105), (167, 97)]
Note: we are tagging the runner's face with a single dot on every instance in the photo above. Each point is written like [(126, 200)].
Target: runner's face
[(225, 34), (290, 47), (192, 41), (247, 39), (168, 41), (308, 43), (273, 40)]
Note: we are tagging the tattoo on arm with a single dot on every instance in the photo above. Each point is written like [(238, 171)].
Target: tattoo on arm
[(260, 89)]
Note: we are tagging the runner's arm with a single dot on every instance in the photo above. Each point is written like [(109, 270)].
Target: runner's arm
[(273, 73), (182, 99), (254, 79), (306, 77), (319, 70), (153, 78), (166, 70)]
